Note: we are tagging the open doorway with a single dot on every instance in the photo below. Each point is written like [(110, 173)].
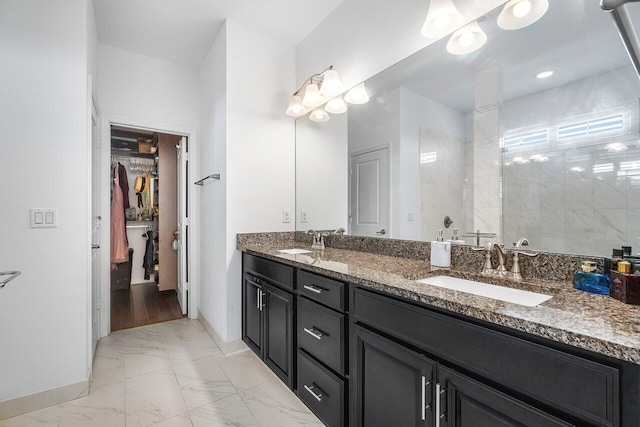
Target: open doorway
[(148, 271)]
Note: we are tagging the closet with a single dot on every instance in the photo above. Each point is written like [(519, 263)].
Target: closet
[(144, 201)]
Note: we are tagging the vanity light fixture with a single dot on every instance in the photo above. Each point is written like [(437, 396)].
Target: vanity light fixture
[(442, 18), (295, 108), (544, 74), (467, 39), (357, 95), (319, 115), (539, 158), (312, 96), (336, 105), (577, 169), (521, 13), (317, 89)]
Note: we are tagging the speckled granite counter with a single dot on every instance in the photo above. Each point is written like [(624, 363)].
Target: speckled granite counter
[(593, 322)]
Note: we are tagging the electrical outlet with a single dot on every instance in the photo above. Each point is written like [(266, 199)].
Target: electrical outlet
[(286, 216), (304, 216)]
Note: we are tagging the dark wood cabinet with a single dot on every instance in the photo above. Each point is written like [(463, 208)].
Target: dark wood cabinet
[(465, 402), (391, 385), (268, 315), (252, 314), (278, 332)]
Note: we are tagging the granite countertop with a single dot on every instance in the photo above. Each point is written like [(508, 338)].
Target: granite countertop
[(593, 322)]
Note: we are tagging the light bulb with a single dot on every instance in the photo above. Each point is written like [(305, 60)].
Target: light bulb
[(311, 96), (295, 108), (467, 39), (336, 105), (331, 84), (442, 18), (357, 95), (319, 115), (544, 74), (518, 14), (522, 8)]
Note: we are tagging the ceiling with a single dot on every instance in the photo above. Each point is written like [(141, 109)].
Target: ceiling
[(181, 31), (575, 37)]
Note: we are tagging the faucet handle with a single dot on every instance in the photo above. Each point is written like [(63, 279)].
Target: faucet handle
[(526, 253)]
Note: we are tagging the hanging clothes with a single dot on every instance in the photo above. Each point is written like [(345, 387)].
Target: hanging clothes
[(119, 246), (124, 185), (147, 261)]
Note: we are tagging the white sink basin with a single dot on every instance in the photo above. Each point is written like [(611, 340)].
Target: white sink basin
[(294, 251), (516, 296)]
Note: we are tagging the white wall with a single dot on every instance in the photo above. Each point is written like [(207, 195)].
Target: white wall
[(257, 139), (212, 81), (322, 173), (43, 118), (139, 87)]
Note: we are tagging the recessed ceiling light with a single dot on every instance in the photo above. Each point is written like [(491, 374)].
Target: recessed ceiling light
[(544, 74)]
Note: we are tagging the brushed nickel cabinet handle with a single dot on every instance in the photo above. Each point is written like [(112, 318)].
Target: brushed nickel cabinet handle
[(316, 333), (312, 288), (318, 396)]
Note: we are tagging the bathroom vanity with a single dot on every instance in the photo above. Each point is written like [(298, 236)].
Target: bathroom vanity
[(365, 344)]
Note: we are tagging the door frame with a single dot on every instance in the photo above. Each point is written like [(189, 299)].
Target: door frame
[(389, 186), (194, 256)]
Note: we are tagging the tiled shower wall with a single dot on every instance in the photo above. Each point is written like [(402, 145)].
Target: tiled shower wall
[(442, 183), (566, 205)]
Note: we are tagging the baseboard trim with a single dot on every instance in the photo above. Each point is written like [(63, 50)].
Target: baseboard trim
[(44, 399), (227, 348)]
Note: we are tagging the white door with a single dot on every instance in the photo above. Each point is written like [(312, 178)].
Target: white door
[(370, 194), (183, 227), (96, 219)]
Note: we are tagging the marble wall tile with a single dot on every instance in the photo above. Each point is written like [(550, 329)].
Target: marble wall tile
[(579, 224), (551, 195), (610, 224), (610, 192), (552, 224)]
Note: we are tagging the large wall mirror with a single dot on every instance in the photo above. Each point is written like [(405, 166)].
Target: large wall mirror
[(482, 140)]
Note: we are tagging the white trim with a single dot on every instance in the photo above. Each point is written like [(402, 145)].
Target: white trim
[(91, 108), (228, 348), (44, 399), (194, 256)]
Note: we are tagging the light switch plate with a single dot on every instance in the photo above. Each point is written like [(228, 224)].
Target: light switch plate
[(286, 216), (43, 217)]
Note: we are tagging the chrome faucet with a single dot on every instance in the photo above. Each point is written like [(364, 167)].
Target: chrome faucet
[(516, 273), (339, 231)]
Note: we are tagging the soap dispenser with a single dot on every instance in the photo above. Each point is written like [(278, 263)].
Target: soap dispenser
[(440, 252), (455, 240)]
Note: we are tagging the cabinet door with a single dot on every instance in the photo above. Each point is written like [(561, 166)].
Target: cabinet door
[(468, 403), (252, 313), (278, 328), (391, 385)]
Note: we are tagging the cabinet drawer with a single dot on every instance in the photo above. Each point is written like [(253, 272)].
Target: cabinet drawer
[(575, 385), (276, 273), (321, 333), (318, 288), (321, 391)]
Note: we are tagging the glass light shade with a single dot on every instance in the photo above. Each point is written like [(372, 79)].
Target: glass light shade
[(467, 39), (486, 4), (357, 95), (319, 115), (442, 18), (312, 96), (295, 108), (336, 105), (331, 85), (521, 13)]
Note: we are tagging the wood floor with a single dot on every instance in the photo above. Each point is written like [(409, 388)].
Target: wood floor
[(143, 305)]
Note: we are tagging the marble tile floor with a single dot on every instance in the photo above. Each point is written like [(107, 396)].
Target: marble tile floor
[(173, 375)]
